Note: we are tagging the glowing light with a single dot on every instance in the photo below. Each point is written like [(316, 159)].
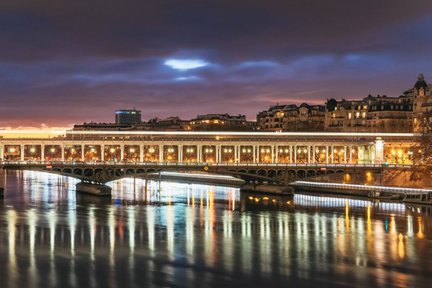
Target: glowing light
[(235, 133), (185, 64)]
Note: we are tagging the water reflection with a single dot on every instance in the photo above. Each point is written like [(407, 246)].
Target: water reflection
[(171, 234)]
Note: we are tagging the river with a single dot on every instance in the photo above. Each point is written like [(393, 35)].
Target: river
[(170, 234)]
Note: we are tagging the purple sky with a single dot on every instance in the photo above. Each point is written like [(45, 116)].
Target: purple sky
[(66, 62)]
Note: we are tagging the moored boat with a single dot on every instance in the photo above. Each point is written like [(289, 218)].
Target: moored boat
[(94, 189), (419, 198)]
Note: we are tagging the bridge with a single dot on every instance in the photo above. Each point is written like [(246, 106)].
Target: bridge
[(265, 157)]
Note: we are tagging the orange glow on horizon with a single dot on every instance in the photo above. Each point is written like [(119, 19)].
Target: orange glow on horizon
[(33, 132)]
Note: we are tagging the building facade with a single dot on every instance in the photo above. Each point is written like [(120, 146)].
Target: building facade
[(370, 114), (221, 122), (292, 118), (128, 116)]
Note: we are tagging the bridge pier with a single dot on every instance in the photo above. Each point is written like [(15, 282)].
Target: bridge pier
[(98, 189)]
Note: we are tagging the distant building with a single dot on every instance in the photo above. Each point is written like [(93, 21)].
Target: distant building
[(292, 118), (221, 122), (101, 126), (422, 100), (128, 116), (169, 123), (371, 114), (381, 113)]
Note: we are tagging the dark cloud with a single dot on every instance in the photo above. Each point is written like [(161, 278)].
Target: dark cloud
[(71, 61)]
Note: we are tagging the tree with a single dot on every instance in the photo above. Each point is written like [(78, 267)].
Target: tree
[(422, 149)]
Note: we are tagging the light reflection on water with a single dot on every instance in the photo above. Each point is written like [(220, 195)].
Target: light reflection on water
[(184, 235)]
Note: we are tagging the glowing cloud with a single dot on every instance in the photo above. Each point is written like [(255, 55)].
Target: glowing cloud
[(185, 64)]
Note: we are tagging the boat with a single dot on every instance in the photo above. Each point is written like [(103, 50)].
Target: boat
[(269, 189), (379, 195), (418, 198), (94, 189)]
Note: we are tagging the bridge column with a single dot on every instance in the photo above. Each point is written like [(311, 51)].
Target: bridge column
[(291, 153), (122, 152), (272, 147), (313, 154), (379, 151), (350, 154), (254, 153), (42, 152), (102, 152), (161, 147), (332, 154), (62, 153), (218, 153), (345, 154), (180, 153), (308, 154), (22, 152), (1, 152), (199, 153), (276, 148), (295, 153), (141, 155), (236, 154), (82, 153), (327, 158)]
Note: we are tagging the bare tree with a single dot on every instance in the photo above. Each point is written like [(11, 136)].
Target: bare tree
[(422, 150)]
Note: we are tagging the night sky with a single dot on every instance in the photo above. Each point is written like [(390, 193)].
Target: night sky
[(66, 62)]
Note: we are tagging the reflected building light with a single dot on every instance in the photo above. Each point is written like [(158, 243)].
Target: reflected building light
[(131, 227), (420, 233), (227, 224), (266, 244), (11, 220), (31, 220), (317, 226), (208, 237), (233, 200), (190, 218), (111, 227), (170, 231), (379, 241), (72, 229), (401, 246), (92, 231), (246, 246), (228, 251), (151, 229), (246, 226), (392, 225), (52, 219), (281, 228), (410, 226), (323, 226)]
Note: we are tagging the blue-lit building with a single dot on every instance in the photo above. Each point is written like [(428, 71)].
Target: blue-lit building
[(128, 116)]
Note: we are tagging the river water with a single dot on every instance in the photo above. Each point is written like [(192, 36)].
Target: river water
[(188, 235)]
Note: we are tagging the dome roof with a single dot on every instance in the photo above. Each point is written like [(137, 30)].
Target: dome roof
[(421, 83)]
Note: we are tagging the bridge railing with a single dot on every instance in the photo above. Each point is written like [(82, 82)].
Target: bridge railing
[(200, 164)]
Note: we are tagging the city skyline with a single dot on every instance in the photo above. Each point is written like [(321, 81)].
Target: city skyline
[(67, 64)]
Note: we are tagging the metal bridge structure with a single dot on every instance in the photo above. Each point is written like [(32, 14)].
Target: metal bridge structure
[(265, 157)]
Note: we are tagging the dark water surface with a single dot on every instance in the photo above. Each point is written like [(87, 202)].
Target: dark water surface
[(204, 236)]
